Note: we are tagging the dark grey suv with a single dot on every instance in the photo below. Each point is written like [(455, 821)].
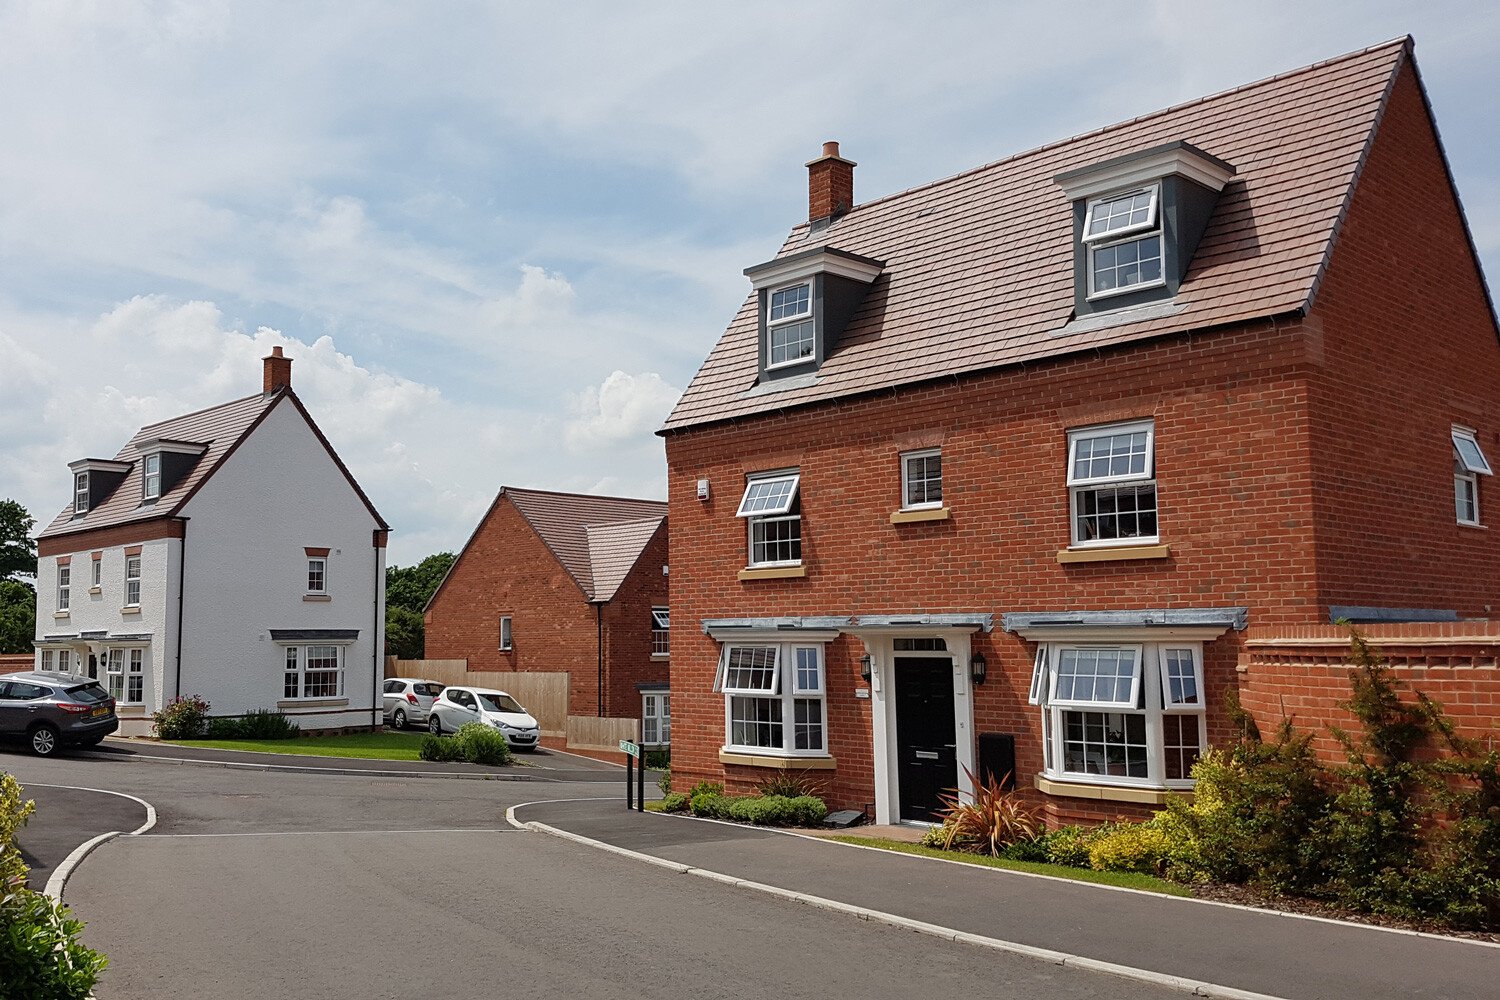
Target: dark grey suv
[(50, 711)]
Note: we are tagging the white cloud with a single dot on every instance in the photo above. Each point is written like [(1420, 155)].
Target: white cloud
[(620, 408)]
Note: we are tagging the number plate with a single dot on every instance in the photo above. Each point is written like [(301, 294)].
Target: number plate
[(101, 710)]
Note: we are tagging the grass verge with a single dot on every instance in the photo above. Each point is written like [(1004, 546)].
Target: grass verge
[(367, 746), (1125, 880)]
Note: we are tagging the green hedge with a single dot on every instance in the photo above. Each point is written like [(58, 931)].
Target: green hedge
[(474, 743), (762, 810)]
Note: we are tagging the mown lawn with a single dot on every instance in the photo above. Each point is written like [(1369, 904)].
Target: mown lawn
[(372, 746), (1127, 880)]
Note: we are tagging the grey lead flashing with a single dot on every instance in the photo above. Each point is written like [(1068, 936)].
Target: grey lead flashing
[(984, 622), (801, 380), (1235, 618), (314, 634), (1123, 317), (1358, 615), (649, 687), (802, 255), (783, 624)]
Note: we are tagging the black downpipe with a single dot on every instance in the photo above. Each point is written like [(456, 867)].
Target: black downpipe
[(599, 644), (377, 706), (181, 597)]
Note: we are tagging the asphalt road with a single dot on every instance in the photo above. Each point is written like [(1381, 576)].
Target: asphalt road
[(267, 884)]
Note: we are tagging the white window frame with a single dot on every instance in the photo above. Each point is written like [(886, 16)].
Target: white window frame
[(656, 718), (133, 600), (506, 636), (64, 587), (114, 674), (1152, 694), (151, 480), (124, 668), (758, 515), (1467, 468), (1128, 703), (785, 321), (1078, 485), (294, 663), (661, 632), (44, 661), (80, 493), (906, 459), (135, 671), (97, 577), (784, 687), (1139, 231), (321, 564)]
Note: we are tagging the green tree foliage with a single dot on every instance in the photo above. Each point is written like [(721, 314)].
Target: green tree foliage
[(407, 591), (17, 550), (17, 616)]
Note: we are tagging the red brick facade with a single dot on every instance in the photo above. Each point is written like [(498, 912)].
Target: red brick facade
[(507, 569), (1301, 463)]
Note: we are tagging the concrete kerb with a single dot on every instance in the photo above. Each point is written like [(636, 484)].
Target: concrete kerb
[(59, 878), (1059, 958), (316, 769)]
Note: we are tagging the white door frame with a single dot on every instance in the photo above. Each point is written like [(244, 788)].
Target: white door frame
[(880, 646)]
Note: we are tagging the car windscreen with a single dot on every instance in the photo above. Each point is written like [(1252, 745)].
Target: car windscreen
[(502, 703), (428, 690), (88, 694)]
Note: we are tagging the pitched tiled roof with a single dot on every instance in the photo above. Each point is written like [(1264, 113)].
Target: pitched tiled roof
[(219, 428), (596, 539), (979, 267)]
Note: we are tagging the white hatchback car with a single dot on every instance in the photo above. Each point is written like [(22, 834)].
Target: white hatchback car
[(408, 700), (496, 709)]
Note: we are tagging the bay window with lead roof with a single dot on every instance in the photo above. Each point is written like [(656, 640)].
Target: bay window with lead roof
[(1112, 482), (774, 698), (1131, 713), (315, 671), (773, 514)]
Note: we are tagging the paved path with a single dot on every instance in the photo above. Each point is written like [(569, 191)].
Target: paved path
[(1252, 950)]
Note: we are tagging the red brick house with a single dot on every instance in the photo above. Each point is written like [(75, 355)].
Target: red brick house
[(1014, 469), (565, 582)]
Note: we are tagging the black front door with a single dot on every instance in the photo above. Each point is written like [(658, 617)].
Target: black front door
[(926, 751)]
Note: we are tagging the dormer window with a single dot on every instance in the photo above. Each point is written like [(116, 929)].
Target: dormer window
[(789, 325), (1123, 235), (80, 493), (805, 301), (151, 476), (1137, 220)]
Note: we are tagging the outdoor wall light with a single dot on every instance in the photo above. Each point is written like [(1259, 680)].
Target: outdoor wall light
[(977, 668), (866, 666)]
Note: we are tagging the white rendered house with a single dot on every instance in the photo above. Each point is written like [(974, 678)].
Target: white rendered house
[(227, 554)]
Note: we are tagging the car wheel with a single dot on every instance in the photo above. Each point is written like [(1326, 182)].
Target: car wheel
[(43, 740), (435, 726), (398, 719)]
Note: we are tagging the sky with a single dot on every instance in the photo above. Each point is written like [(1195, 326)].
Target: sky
[(498, 239)]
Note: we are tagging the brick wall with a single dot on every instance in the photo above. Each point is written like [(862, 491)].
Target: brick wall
[(1410, 349), (1301, 673), (12, 662), (507, 569)]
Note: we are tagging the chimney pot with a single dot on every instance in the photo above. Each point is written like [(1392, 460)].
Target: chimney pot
[(277, 373), (830, 185)]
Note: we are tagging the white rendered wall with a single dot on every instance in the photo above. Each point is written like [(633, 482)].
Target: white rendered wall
[(103, 609), (246, 574)]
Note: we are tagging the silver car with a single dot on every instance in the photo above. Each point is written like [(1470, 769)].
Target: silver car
[(488, 707), (408, 700), (50, 711)]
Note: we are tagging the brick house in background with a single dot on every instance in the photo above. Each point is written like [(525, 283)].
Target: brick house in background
[(565, 582), (227, 553), (1027, 468)]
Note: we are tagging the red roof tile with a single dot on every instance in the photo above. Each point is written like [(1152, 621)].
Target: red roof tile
[(979, 267), (596, 539)]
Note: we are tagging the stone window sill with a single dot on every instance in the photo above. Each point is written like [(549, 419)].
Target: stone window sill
[(916, 516), (317, 598), (661, 657), (96, 590), (133, 609), (780, 763), (131, 711), (1113, 553), (1108, 793), (61, 614), (773, 573)]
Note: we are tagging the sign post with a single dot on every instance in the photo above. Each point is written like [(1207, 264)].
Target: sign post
[(633, 763)]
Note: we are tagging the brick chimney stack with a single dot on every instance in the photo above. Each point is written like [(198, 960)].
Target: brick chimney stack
[(278, 371), (830, 184)]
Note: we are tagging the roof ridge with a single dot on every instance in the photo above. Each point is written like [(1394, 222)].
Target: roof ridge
[(206, 409), (584, 496), (1404, 40)]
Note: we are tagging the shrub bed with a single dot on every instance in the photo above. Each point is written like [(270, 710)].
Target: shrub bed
[(762, 810), (261, 724), (474, 743)]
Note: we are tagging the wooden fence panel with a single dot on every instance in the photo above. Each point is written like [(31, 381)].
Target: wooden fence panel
[(588, 733), (545, 695)]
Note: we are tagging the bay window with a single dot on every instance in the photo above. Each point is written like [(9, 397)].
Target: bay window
[(774, 698), (313, 672), (1129, 713)]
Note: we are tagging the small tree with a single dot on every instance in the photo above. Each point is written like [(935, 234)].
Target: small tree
[(17, 616), (17, 550)]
